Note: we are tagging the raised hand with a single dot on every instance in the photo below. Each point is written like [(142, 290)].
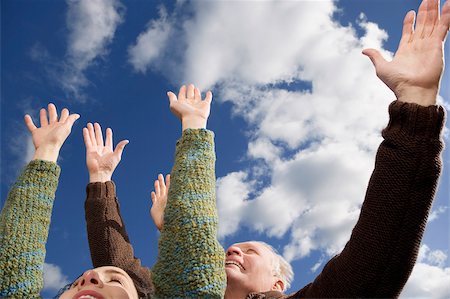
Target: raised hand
[(190, 108), (159, 200), (49, 138), (101, 159), (415, 72)]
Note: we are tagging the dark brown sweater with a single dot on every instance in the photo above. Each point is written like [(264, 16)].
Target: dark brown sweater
[(382, 250), (379, 257), (190, 258)]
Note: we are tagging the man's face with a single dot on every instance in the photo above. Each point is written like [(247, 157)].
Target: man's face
[(102, 283), (249, 265)]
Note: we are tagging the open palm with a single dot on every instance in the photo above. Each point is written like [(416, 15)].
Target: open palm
[(52, 132), (101, 159), (189, 103), (159, 200), (417, 67)]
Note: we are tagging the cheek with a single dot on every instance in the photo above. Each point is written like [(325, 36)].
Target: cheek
[(121, 292)]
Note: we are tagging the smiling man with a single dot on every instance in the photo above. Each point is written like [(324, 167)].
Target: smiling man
[(378, 259), (380, 255), (255, 267)]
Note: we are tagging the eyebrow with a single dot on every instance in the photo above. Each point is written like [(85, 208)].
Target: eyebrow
[(114, 271), (249, 246)]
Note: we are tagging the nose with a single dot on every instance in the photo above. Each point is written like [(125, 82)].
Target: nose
[(234, 250), (90, 277)]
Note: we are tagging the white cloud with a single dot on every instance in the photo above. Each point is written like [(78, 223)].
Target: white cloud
[(150, 43), (435, 213), (54, 279), (232, 191), (22, 150), (429, 278), (432, 257), (314, 107), (92, 25)]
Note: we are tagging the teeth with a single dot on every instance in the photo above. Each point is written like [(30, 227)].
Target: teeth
[(87, 297), (234, 263)]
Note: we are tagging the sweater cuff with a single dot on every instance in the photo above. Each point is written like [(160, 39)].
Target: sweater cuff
[(44, 173), (202, 135), (415, 120), (99, 190)]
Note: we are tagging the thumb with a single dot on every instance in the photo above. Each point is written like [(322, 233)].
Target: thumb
[(119, 147), (71, 119), (167, 182), (208, 97), (172, 97), (374, 56), (153, 195)]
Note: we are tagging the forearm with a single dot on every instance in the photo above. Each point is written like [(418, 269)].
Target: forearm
[(108, 240), (382, 250), (191, 261), (24, 225), (103, 218)]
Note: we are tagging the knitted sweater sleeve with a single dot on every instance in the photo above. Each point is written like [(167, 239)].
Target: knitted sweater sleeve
[(379, 257), (108, 239), (191, 261), (24, 225)]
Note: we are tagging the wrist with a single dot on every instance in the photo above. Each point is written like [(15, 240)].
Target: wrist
[(418, 95), (47, 153), (101, 177), (193, 122)]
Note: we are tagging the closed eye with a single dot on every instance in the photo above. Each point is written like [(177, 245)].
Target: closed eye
[(116, 280)]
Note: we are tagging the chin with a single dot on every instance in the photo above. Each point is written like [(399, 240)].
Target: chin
[(233, 273)]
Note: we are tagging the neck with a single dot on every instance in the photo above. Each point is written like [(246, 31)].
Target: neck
[(234, 292)]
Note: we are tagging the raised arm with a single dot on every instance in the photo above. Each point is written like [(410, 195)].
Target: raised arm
[(191, 261), (25, 218), (108, 239), (384, 244)]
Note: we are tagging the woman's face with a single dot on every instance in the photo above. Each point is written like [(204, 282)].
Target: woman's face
[(102, 283)]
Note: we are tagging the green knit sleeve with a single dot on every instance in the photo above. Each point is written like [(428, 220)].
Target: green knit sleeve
[(24, 224), (191, 261)]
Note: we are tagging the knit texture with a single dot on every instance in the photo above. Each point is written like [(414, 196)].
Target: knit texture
[(382, 250), (191, 261), (24, 225), (108, 239)]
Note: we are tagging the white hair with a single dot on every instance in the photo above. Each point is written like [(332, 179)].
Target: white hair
[(281, 268)]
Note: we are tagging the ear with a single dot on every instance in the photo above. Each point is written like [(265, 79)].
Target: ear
[(278, 286)]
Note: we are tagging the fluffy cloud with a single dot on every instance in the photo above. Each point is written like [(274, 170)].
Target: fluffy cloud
[(150, 43), (54, 279), (232, 191), (314, 109), (430, 278), (435, 213), (92, 25)]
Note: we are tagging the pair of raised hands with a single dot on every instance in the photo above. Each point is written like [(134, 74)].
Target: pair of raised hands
[(101, 156)]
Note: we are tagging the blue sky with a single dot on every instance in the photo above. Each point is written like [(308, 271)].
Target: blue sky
[(293, 98)]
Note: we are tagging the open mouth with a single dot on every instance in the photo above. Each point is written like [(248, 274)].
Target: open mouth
[(88, 294), (234, 263)]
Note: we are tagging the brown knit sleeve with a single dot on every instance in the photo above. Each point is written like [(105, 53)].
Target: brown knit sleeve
[(108, 240), (382, 250)]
